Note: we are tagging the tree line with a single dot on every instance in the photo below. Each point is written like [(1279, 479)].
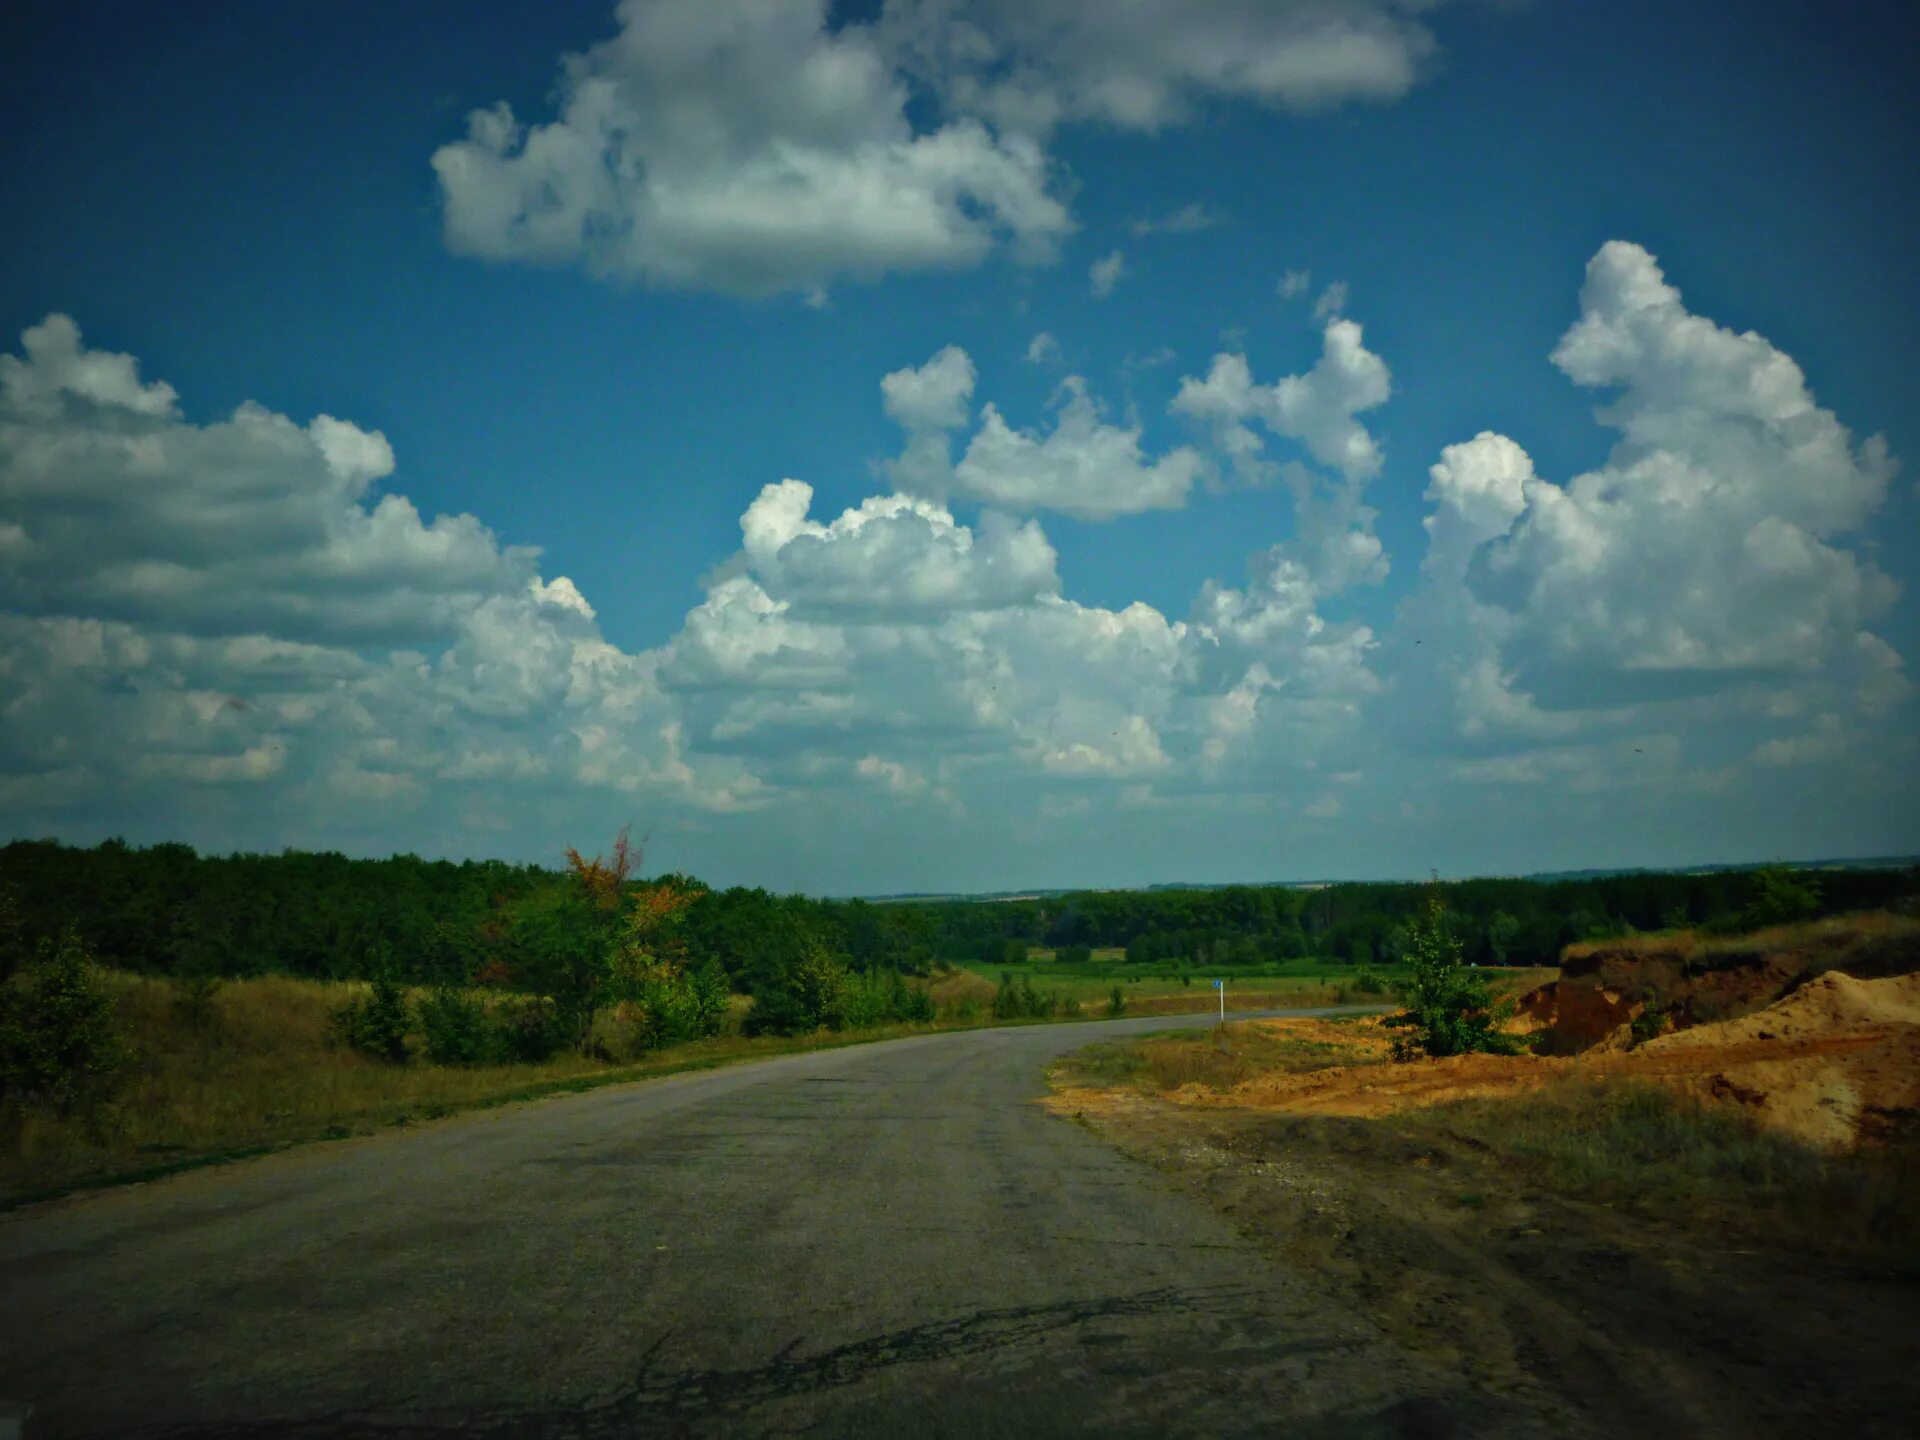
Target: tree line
[(165, 909)]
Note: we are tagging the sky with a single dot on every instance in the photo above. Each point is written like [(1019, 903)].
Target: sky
[(960, 445)]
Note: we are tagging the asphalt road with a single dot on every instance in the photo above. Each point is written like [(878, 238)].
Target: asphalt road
[(888, 1239)]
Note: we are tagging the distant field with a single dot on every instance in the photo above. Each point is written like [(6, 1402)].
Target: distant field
[(1108, 968)]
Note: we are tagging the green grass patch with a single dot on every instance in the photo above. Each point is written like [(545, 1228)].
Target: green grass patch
[(1218, 1058)]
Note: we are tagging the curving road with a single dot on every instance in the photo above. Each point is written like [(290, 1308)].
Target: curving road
[(885, 1240)]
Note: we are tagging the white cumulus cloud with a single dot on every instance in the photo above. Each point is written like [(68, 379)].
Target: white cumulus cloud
[(750, 148)]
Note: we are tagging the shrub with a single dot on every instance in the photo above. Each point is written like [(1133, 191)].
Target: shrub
[(1116, 1001), (1448, 1006), (709, 996), (1647, 1025), (1074, 954), (1369, 981), (532, 1029), (1020, 1001), (1780, 898), (59, 1046), (193, 1007), (918, 1009), (457, 1029), (776, 1012), (377, 1024)]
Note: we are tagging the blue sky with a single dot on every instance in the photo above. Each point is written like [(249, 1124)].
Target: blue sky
[(607, 347)]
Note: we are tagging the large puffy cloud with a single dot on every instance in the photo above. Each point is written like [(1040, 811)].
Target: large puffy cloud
[(745, 147), (1698, 584), (116, 508), (1707, 543), (1034, 64), (766, 145), (193, 614)]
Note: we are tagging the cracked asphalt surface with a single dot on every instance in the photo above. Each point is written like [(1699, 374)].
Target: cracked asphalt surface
[(888, 1239)]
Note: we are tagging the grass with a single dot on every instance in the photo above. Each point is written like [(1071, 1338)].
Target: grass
[(1218, 1059), (1702, 950), (266, 1070), (1294, 983), (1635, 1144)]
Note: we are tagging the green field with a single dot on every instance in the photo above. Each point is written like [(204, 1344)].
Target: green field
[(1109, 967)]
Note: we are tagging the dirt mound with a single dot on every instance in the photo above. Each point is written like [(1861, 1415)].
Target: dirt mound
[(1835, 1062), (1676, 982)]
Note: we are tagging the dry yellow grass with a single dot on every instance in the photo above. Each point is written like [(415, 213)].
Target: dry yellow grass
[(1837, 932), (269, 1070)]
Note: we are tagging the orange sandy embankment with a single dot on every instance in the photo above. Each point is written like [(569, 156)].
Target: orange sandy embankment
[(1835, 1062)]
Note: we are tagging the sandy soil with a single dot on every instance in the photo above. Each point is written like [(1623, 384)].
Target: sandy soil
[(1835, 1062), (1646, 1328), (1694, 1323)]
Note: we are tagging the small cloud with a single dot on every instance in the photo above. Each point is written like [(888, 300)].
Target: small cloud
[(1294, 284), (1152, 360), (899, 779), (1106, 272), (1043, 349), (1184, 221), (1331, 302)]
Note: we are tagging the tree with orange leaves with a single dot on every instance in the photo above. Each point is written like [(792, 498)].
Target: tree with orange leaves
[(617, 943)]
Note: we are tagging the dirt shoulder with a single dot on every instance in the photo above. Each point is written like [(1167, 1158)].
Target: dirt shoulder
[(1675, 1312)]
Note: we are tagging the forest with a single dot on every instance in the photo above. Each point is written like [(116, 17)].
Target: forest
[(167, 910)]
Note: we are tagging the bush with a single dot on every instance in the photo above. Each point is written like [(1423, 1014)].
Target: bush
[(1780, 898), (532, 1030), (377, 1024), (1369, 981), (457, 1029), (1020, 1001), (776, 1012), (59, 1046), (919, 1007), (1448, 1006), (1116, 1001), (1074, 954)]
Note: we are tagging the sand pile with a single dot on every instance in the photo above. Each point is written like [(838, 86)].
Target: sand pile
[(1691, 978), (1835, 1062)]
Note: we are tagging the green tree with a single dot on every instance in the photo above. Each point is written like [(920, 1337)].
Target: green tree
[(1449, 1009), (1501, 930), (59, 1045), (1780, 897), (377, 1023)]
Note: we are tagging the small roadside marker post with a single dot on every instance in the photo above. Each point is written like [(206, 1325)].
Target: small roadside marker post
[(1221, 986)]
